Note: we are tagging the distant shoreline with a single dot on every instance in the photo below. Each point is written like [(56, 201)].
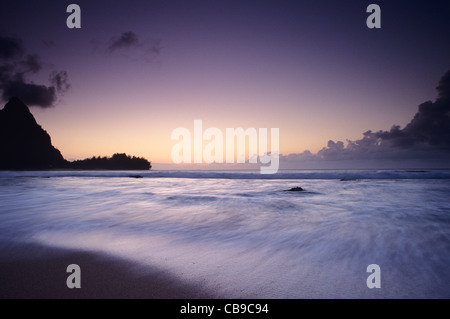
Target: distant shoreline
[(71, 170)]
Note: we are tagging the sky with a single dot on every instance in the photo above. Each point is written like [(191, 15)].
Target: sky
[(342, 95)]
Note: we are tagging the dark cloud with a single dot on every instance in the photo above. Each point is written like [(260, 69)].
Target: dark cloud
[(425, 139), (32, 63), (59, 81), (443, 87), (10, 48), (29, 93), (430, 126), (16, 66), (48, 43), (126, 40), (131, 46)]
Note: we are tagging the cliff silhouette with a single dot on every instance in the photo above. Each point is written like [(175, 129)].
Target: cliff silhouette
[(25, 145)]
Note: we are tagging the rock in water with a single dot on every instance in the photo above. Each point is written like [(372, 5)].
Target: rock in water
[(295, 189), (24, 144)]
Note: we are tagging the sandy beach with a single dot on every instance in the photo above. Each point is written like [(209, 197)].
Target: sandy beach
[(35, 272)]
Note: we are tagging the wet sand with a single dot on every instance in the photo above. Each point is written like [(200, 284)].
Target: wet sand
[(34, 272)]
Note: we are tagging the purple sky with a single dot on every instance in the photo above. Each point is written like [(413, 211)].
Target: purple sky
[(139, 69)]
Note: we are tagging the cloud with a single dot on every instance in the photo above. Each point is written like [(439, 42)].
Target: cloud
[(10, 48), (15, 67), (31, 63), (59, 81), (155, 47), (425, 140), (48, 43), (125, 40), (131, 46), (443, 87), (30, 94)]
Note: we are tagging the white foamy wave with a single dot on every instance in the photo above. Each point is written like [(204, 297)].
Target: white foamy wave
[(248, 238)]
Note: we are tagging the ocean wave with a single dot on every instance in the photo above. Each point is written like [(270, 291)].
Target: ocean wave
[(343, 175)]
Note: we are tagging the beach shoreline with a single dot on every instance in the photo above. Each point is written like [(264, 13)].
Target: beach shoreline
[(31, 271)]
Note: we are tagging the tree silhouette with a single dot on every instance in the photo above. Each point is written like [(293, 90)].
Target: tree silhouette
[(119, 161)]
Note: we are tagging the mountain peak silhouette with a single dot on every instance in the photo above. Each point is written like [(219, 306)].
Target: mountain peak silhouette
[(24, 144), (18, 111)]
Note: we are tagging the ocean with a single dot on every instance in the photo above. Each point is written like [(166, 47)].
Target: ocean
[(242, 234)]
